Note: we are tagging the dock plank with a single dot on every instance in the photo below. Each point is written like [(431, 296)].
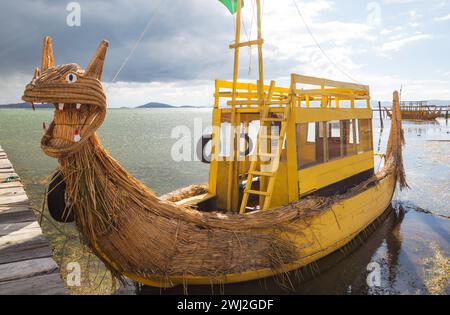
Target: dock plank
[(27, 269), (12, 191), (17, 216), (40, 285), (14, 200), (10, 185), (36, 247), (5, 163), (26, 262)]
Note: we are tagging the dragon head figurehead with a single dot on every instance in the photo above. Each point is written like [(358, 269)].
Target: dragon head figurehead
[(78, 97)]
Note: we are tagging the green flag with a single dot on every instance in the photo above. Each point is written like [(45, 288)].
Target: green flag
[(232, 5)]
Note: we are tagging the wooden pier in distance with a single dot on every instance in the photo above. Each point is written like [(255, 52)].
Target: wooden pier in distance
[(26, 262)]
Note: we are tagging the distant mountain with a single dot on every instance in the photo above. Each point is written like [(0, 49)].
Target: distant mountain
[(156, 105), (162, 105), (25, 106)]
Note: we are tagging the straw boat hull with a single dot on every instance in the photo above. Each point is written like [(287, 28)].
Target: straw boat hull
[(320, 236)]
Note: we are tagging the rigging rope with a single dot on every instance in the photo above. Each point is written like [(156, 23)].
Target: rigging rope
[(249, 36), (136, 44), (320, 47)]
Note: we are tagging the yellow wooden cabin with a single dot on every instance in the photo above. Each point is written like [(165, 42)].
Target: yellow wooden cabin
[(314, 136)]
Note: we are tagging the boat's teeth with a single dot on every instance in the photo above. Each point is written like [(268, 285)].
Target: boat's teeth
[(77, 136), (61, 106), (78, 106), (44, 127)]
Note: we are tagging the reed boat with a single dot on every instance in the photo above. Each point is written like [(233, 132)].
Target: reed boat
[(417, 111), (304, 189)]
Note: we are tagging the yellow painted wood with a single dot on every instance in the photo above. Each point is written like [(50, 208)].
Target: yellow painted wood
[(291, 151), (331, 83), (258, 156), (215, 150), (325, 174), (258, 173), (250, 87), (274, 157), (247, 43), (257, 192), (244, 102), (304, 115), (260, 52), (274, 119), (253, 164), (343, 94), (276, 161), (233, 170)]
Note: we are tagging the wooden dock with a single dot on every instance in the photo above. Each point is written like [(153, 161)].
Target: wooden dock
[(26, 262)]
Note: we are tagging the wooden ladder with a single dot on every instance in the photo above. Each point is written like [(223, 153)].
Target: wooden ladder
[(267, 161)]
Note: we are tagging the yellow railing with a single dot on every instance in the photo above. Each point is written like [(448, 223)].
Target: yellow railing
[(328, 92)]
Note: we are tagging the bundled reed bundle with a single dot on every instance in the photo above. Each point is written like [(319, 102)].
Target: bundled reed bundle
[(396, 140), (125, 223)]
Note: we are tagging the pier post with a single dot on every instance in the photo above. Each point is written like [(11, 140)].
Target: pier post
[(381, 114)]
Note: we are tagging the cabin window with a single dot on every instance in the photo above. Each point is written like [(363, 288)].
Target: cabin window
[(349, 137), (365, 135), (333, 147), (310, 144), (343, 138)]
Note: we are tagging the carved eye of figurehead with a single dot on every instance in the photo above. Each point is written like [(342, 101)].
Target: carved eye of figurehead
[(71, 78)]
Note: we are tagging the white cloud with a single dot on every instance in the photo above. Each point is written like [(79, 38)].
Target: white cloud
[(383, 86), (397, 1), (442, 18), (351, 44), (397, 44)]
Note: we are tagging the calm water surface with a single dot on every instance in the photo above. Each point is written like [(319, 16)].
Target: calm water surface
[(411, 246)]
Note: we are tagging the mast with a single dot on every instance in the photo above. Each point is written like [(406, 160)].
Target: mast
[(233, 170), (260, 53), (232, 167)]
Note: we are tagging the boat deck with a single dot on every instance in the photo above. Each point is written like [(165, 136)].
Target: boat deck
[(26, 262)]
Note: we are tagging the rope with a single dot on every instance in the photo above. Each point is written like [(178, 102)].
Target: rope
[(138, 41), (249, 37), (320, 47)]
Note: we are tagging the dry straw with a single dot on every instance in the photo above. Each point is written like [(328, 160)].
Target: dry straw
[(128, 226)]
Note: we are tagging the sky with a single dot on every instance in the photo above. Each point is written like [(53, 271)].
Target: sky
[(385, 44)]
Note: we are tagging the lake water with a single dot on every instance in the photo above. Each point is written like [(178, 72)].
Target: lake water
[(410, 247)]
